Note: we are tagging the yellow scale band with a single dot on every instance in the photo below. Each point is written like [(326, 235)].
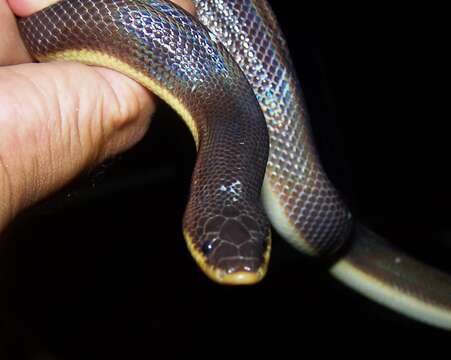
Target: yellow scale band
[(384, 294), (281, 222), (237, 278), (91, 57)]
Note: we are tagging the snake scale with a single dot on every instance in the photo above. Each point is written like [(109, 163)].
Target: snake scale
[(230, 78)]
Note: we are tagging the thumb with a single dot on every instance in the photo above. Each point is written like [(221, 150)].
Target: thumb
[(60, 118)]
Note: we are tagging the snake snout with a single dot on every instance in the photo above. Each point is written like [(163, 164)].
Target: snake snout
[(237, 252), (242, 271)]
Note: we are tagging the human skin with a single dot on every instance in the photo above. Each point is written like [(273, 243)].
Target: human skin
[(58, 119)]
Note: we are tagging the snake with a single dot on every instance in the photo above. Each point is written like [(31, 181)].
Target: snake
[(227, 72)]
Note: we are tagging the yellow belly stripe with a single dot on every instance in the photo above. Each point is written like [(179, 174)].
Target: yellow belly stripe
[(97, 58)]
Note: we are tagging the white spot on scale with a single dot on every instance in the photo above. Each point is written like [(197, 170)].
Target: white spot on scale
[(235, 189)]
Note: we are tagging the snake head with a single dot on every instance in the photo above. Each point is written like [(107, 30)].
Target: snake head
[(231, 248)]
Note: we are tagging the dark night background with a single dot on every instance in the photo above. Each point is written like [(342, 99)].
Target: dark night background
[(101, 270)]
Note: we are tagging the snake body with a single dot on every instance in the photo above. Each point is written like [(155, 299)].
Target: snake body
[(232, 82)]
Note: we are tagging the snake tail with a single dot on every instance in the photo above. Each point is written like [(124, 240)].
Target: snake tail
[(379, 271), (162, 47)]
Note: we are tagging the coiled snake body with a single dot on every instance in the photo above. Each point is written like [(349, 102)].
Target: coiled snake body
[(231, 80)]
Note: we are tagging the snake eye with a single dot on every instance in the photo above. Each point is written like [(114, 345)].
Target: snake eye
[(207, 247)]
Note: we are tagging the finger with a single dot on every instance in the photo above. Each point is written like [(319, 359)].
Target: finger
[(186, 4), (28, 7), (54, 125), (12, 49)]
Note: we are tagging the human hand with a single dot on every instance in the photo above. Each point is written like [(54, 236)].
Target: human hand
[(57, 119)]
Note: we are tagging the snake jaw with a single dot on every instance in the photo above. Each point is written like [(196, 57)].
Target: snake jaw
[(242, 278)]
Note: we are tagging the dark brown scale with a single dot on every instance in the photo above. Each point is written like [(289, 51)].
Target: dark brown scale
[(224, 216), (398, 270), (251, 34)]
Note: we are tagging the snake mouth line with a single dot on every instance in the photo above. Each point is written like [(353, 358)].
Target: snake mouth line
[(223, 277)]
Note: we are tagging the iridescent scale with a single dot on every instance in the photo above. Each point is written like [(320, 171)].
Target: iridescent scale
[(300, 188)]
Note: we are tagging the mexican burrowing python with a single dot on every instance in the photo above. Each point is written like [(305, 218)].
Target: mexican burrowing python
[(234, 85)]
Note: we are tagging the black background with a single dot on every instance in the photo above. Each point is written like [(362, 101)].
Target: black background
[(101, 270)]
